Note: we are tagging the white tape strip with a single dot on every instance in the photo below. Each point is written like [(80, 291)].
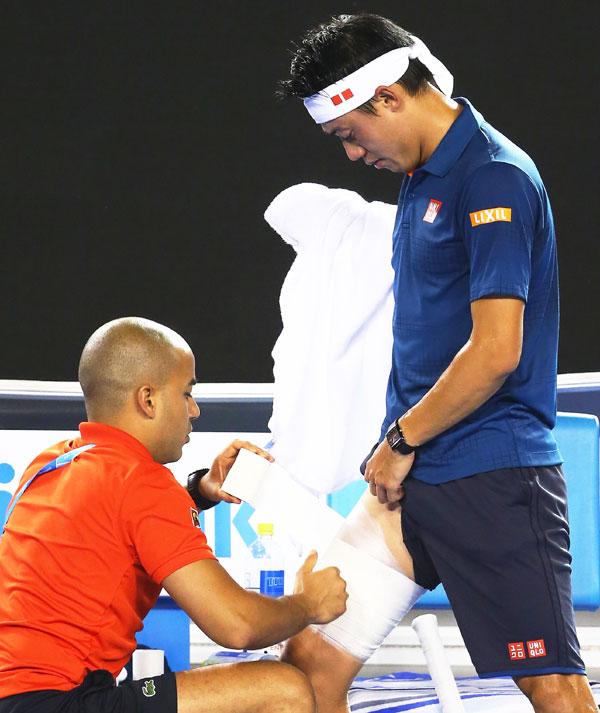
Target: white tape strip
[(247, 476), (270, 489)]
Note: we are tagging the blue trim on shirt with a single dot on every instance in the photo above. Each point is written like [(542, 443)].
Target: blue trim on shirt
[(54, 464)]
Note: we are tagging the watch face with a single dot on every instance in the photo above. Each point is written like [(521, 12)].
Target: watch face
[(393, 437), (396, 441)]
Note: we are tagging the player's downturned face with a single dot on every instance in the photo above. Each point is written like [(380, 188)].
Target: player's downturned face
[(177, 409), (379, 140)]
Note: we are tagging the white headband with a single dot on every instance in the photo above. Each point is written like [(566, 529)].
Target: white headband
[(357, 88)]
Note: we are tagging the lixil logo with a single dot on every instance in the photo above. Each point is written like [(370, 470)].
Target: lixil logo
[(490, 215)]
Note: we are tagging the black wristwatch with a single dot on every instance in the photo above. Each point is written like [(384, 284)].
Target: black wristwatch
[(193, 480), (396, 441)]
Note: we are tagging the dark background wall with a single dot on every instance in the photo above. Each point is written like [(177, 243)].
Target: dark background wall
[(141, 144)]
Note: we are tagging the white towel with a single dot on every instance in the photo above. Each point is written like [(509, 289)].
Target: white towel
[(333, 356)]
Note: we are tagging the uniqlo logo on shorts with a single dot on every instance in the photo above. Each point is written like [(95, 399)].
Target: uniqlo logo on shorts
[(516, 651), (536, 648), (432, 210)]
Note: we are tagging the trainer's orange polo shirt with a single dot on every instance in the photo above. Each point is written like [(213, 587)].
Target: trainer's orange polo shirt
[(83, 558)]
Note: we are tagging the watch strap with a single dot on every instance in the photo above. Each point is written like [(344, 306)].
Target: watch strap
[(193, 482)]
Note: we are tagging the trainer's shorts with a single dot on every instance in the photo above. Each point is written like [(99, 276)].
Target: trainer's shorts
[(98, 694), (499, 542)]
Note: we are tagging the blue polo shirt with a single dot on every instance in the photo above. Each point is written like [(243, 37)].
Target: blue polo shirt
[(473, 222)]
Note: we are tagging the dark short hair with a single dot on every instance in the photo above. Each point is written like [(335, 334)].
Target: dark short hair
[(336, 48)]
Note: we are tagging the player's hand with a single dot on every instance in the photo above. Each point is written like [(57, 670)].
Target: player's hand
[(210, 485), (323, 591), (385, 472)]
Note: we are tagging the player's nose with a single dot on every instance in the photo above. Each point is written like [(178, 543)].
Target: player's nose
[(354, 152)]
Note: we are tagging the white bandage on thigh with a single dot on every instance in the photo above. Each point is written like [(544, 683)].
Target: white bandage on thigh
[(379, 597), (363, 548), (378, 537)]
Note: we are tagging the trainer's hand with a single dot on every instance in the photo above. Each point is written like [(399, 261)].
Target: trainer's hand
[(385, 472), (210, 485), (323, 591)]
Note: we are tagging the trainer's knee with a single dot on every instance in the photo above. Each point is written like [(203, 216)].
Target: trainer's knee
[(294, 691)]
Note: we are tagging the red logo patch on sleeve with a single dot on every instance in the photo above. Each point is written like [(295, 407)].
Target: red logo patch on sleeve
[(516, 651), (536, 648)]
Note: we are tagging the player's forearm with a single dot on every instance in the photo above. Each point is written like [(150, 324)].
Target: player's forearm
[(473, 376)]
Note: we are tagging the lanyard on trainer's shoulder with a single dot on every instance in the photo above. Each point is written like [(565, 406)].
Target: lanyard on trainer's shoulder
[(59, 462)]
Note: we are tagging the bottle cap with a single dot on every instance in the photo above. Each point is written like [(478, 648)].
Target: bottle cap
[(265, 528)]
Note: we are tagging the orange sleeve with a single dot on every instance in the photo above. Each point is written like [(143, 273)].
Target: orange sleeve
[(160, 521)]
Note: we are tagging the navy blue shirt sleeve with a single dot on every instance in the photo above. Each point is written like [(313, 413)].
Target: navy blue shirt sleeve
[(500, 206)]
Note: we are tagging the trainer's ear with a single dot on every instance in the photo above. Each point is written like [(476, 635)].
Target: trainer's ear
[(146, 400)]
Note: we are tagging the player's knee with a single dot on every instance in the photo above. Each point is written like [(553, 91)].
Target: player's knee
[(299, 651), (317, 659), (549, 694)]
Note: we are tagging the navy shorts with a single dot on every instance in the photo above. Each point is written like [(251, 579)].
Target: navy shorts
[(499, 542), (98, 694)]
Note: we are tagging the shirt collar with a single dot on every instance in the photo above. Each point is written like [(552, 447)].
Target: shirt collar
[(455, 141), (103, 434)]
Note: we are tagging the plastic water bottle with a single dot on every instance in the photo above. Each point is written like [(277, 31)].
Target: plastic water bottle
[(265, 570), (265, 574)]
